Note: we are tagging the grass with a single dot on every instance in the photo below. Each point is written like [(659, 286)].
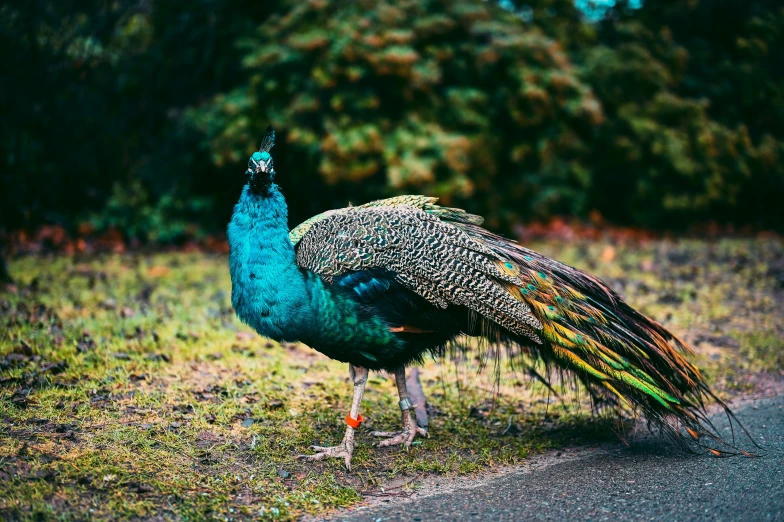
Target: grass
[(129, 390)]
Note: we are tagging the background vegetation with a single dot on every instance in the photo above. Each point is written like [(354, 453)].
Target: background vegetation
[(138, 116)]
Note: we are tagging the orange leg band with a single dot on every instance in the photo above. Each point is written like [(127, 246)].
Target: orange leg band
[(354, 423)]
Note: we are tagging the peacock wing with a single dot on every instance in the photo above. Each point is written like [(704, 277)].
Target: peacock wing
[(428, 255), (425, 203)]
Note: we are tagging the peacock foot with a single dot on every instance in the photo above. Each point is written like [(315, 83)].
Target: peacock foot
[(345, 450), (407, 436)]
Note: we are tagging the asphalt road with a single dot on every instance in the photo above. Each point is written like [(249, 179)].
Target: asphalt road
[(648, 481)]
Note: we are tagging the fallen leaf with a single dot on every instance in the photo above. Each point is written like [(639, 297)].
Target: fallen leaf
[(19, 398), (207, 436), (55, 367), (44, 474), (85, 343), (24, 349), (158, 271)]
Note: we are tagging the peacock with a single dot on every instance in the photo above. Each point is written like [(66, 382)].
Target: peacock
[(381, 285)]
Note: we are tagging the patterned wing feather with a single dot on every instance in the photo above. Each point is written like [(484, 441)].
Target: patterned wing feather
[(427, 255), (425, 203)]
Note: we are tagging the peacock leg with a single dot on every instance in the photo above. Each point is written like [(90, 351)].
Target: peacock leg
[(346, 448), (410, 428)]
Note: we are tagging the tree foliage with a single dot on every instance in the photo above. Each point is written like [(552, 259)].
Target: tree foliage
[(694, 95), (92, 104), (140, 116), (456, 99)]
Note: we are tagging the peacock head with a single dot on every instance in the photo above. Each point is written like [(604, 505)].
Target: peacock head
[(260, 170), (259, 163)]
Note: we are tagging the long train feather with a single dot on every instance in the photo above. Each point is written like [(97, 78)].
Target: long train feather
[(590, 330)]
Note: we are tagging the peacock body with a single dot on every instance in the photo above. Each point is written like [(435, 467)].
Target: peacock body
[(382, 284)]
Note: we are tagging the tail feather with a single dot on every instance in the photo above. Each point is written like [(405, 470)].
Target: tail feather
[(619, 354)]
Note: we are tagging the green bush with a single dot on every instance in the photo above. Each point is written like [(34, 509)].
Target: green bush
[(93, 97), (512, 112), (671, 163), (461, 100), (694, 99), (141, 116)]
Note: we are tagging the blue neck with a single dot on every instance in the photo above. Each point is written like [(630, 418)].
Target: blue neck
[(269, 292), (281, 301)]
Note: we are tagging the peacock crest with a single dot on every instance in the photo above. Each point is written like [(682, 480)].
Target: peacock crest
[(261, 171)]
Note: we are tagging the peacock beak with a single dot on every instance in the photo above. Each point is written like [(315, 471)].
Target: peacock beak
[(253, 168)]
